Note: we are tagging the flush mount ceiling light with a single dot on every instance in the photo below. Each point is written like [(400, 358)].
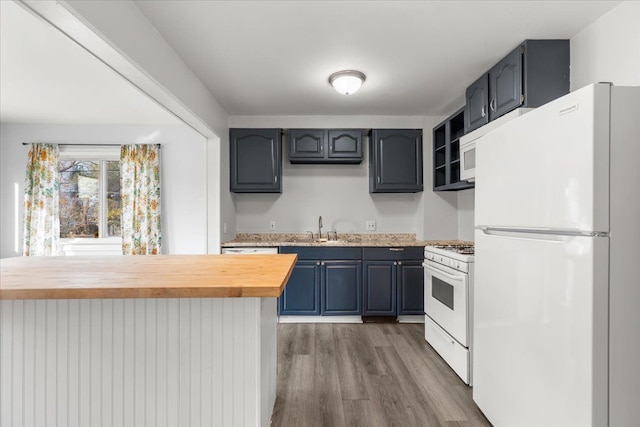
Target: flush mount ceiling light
[(347, 82)]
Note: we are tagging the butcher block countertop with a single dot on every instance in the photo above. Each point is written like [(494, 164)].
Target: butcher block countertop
[(154, 276)]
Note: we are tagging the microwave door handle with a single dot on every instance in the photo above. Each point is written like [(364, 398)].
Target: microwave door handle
[(450, 276)]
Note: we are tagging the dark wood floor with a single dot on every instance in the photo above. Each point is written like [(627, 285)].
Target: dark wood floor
[(349, 375)]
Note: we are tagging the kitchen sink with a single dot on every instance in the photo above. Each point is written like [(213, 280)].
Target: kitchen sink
[(319, 241), (330, 242)]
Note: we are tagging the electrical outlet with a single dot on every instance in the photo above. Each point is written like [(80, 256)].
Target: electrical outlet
[(371, 225), (272, 225)]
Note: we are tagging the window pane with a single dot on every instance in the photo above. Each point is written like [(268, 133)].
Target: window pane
[(114, 205), (79, 198)]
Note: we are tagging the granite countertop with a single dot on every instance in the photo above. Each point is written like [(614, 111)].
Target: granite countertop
[(344, 240)]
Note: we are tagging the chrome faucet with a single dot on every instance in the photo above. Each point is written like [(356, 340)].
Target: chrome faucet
[(320, 227)]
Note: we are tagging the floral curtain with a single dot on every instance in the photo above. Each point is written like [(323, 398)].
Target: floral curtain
[(140, 193), (41, 200)]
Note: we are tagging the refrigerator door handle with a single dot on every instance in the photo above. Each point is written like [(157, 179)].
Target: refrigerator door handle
[(553, 235)]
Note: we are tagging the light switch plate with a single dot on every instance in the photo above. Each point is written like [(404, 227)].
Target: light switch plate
[(272, 225), (371, 225)]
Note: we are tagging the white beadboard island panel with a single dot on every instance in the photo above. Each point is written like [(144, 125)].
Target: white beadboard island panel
[(137, 362)]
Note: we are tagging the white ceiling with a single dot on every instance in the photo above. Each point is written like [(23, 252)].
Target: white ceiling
[(47, 78), (274, 57)]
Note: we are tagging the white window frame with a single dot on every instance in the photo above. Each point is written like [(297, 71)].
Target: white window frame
[(88, 245)]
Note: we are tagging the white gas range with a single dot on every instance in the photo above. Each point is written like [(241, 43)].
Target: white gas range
[(448, 297)]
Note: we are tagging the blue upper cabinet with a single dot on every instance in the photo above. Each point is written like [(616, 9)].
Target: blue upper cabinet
[(255, 160), (534, 73), (325, 145), (395, 161), (306, 145), (505, 85), (345, 145), (477, 106)]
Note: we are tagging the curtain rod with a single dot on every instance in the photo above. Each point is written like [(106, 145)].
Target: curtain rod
[(91, 145)]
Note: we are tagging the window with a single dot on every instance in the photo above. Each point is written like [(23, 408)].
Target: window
[(90, 204)]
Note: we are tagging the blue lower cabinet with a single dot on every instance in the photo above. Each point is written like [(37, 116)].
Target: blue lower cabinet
[(338, 282), (302, 293), (410, 288), (379, 288), (341, 292)]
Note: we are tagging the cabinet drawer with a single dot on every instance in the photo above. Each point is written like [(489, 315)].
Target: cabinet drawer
[(315, 253), (451, 351), (393, 253)]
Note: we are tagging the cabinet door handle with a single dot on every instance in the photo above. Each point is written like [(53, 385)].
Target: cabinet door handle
[(378, 180), (482, 112), (396, 249), (276, 178), (322, 263), (321, 147), (399, 262), (492, 104), (318, 263), (395, 263)]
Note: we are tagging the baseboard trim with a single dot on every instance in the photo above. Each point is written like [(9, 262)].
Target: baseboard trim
[(320, 319), (343, 319), (414, 318)]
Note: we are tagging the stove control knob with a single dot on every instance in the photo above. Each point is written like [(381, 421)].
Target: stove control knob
[(457, 265)]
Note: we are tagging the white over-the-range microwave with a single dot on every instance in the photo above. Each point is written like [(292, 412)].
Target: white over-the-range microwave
[(468, 143)]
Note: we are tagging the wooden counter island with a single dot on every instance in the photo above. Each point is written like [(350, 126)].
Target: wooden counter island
[(168, 340)]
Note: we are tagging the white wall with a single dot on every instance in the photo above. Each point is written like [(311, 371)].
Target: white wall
[(340, 193), (437, 218), (466, 209), (184, 206), (227, 199), (121, 36), (608, 50)]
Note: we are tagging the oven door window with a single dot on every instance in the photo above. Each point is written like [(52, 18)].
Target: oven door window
[(442, 291)]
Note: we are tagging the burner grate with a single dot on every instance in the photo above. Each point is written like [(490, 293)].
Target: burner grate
[(462, 248)]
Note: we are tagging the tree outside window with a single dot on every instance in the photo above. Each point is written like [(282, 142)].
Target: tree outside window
[(90, 204)]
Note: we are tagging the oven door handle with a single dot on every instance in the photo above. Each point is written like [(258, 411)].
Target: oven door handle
[(437, 271)]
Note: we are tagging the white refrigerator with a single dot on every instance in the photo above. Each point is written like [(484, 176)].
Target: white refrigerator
[(557, 287)]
